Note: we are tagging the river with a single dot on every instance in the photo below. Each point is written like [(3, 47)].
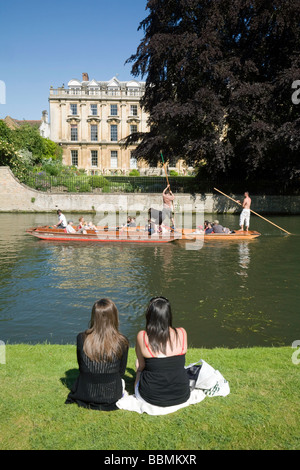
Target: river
[(226, 294)]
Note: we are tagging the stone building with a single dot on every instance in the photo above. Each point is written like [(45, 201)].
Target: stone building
[(89, 119)]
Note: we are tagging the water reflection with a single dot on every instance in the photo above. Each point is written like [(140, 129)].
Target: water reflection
[(244, 258)]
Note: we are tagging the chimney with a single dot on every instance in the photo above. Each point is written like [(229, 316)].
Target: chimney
[(85, 77)]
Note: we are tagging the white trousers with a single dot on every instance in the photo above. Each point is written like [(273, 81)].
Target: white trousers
[(245, 217)]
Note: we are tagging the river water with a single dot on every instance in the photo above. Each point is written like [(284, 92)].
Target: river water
[(226, 294)]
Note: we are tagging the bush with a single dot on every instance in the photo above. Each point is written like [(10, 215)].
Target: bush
[(97, 181), (51, 150), (51, 168), (134, 173), (7, 152), (70, 185), (84, 187)]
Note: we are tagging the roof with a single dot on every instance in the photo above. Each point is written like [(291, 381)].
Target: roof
[(14, 123), (113, 82)]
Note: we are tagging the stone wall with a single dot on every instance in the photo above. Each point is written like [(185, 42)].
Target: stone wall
[(16, 197)]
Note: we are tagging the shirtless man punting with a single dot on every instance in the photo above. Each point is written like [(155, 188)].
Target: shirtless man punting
[(245, 214)]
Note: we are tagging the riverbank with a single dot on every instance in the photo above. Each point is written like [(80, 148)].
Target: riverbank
[(17, 197), (261, 411)]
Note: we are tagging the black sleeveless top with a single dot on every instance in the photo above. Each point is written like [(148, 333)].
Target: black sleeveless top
[(164, 381), (99, 384)]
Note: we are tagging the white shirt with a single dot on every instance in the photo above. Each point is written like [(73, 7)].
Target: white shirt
[(62, 220), (70, 229)]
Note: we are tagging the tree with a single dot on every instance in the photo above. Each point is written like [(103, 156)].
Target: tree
[(27, 138), (23, 148), (218, 85)]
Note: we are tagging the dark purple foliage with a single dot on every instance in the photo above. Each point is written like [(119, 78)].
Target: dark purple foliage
[(219, 80)]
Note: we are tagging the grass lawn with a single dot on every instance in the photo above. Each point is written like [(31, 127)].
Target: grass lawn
[(261, 412)]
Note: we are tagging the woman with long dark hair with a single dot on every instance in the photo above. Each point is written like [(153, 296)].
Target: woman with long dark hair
[(161, 377), (102, 357)]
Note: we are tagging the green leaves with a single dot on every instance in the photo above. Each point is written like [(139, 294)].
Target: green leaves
[(23, 148)]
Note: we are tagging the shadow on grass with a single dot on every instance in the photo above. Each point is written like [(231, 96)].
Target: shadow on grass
[(70, 377), (129, 379)]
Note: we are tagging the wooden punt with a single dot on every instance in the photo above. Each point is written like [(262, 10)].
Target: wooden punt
[(103, 235), (190, 234), (134, 235)]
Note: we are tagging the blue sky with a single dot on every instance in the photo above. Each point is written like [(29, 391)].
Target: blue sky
[(49, 43)]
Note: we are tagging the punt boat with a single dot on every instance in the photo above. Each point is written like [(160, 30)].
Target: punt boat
[(103, 234), (134, 235), (189, 234)]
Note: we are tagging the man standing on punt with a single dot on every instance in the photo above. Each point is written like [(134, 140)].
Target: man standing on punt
[(168, 200), (245, 214)]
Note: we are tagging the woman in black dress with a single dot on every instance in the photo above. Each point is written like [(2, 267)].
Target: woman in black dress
[(161, 377), (102, 357)]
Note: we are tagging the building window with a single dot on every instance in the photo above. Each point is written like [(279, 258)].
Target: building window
[(73, 109), (74, 133), (113, 91), (94, 157), (114, 159), (133, 91), (94, 133), (133, 110), (133, 162), (133, 128), (114, 133), (75, 91), (74, 157), (114, 110), (93, 91), (93, 109)]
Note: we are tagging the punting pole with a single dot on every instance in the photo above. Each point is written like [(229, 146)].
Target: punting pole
[(161, 154), (253, 211), (164, 167)]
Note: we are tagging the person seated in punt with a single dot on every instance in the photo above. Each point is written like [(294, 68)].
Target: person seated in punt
[(208, 228), (130, 223), (83, 226), (70, 228), (217, 228), (62, 221)]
